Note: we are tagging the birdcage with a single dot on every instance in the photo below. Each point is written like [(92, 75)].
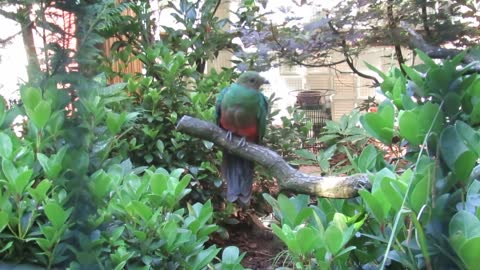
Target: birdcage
[(316, 104)]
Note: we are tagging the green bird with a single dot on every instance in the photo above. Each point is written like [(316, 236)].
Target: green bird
[(242, 110)]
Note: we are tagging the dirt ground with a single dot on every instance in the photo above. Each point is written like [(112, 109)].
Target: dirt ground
[(260, 245)]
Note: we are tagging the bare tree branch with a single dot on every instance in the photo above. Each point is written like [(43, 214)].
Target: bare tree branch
[(288, 178), (417, 41)]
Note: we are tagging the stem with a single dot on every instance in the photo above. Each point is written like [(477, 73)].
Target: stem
[(397, 217)]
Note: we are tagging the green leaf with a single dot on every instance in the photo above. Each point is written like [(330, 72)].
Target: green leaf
[(180, 190), (367, 159), (469, 253), (380, 124), (456, 155), (469, 136), (113, 89), (6, 148), (31, 97), (6, 247), (465, 223), (160, 146), (230, 255), (23, 180), (3, 220), (3, 110), (333, 239), (140, 209), (420, 194), (115, 121), (393, 195), (101, 184), (203, 258), (287, 209), (308, 239), (452, 103), (416, 78), (55, 213), (9, 170), (304, 153), (40, 114), (373, 204), (39, 193), (159, 183), (426, 59), (415, 124)]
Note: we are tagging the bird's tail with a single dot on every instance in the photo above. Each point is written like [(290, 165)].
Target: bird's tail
[(238, 173)]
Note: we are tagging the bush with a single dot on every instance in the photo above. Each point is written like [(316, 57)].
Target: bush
[(421, 216)]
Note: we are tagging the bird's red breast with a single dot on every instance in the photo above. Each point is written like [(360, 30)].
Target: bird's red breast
[(250, 132)]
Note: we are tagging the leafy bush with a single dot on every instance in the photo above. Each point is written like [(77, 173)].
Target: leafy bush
[(422, 216)]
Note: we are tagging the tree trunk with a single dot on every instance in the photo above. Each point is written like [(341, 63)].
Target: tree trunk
[(28, 28)]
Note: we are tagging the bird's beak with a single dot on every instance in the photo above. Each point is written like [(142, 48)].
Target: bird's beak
[(266, 82)]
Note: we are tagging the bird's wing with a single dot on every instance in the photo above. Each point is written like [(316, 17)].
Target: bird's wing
[(218, 105), (262, 116)]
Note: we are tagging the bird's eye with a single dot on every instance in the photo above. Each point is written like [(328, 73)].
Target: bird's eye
[(252, 80)]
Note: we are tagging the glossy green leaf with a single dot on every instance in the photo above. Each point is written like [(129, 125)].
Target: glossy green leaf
[(372, 204), (426, 59), (203, 258), (40, 114), (158, 183), (466, 223), (380, 124), (6, 148), (420, 194), (22, 181), (308, 239), (415, 124), (416, 78), (333, 239), (452, 103), (469, 136), (9, 170), (456, 155), (393, 195), (56, 214), (469, 253), (3, 220), (230, 255), (101, 184), (287, 209), (39, 193), (140, 209), (367, 159), (31, 97)]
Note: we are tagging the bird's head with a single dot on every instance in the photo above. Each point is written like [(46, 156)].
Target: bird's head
[(251, 79)]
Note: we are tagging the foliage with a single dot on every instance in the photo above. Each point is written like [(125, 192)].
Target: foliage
[(338, 32), (118, 216), (436, 116), (291, 134), (338, 137), (174, 84), (77, 186), (312, 241), (424, 215)]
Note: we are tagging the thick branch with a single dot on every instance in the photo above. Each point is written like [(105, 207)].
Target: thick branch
[(288, 178), (417, 41)]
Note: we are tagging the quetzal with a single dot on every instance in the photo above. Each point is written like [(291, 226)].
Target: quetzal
[(242, 110)]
